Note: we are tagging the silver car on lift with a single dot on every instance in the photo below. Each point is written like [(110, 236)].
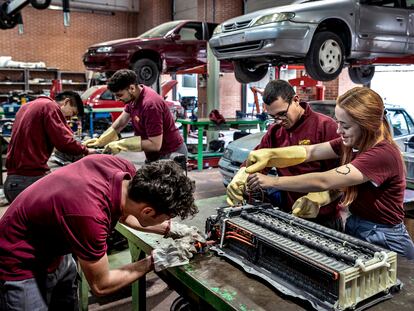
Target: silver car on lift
[(324, 35), (402, 126)]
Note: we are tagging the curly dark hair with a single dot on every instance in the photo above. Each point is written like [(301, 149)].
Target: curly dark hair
[(164, 186), (121, 80)]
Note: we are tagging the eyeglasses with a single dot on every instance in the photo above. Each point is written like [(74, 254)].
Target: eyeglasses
[(281, 114)]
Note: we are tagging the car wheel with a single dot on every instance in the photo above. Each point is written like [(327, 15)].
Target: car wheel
[(246, 74), (147, 71), (325, 58), (361, 75)]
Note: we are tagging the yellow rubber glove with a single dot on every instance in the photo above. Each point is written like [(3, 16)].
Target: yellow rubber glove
[(309, 205), (106, 137), (236, 187), (127, 144), (275, 157)]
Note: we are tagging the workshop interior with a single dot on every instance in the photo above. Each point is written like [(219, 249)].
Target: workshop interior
[(304, 189)]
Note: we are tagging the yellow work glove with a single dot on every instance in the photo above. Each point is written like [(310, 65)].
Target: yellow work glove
[(106, 137), (236, 187), (275, 157), (127, 144), (309, 205)]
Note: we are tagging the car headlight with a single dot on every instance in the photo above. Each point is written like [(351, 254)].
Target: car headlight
[(227, 154), (273, 18), (217, 30), (104, 49)]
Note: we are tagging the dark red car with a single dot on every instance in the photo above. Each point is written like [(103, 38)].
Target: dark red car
[(167, 48)]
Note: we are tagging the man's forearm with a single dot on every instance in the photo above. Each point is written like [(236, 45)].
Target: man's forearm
[(133, 222)]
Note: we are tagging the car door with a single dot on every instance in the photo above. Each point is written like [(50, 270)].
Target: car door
[(402, 126), (382, 27), (189, 48), (410, 9)]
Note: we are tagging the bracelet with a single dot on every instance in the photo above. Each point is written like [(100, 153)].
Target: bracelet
[(168, 228)]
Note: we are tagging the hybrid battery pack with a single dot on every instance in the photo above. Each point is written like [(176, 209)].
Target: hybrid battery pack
[(329, 269)]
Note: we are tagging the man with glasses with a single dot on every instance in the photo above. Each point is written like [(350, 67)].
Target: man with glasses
[(295, 123), (40, 126)]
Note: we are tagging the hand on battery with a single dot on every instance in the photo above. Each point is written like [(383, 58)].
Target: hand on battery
[(275, 157), (173, 253), (309, 205), (126, 144), (177, 230), (236, 187)]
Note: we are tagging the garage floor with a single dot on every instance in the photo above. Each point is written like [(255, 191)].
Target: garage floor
[(159, 296)]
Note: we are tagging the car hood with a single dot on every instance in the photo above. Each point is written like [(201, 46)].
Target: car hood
[(241, 147), (295, 7), (123, 41)]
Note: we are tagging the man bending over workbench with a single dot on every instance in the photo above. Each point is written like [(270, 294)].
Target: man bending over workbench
[(72, 211)]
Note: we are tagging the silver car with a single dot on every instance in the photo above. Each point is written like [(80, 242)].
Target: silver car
[(324, 35), (402, 126)]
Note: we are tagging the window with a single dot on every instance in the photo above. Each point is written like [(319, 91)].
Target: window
[(190, 81), (384, 3), (410, 4), (107, 95), (191, 31), (398, 122)]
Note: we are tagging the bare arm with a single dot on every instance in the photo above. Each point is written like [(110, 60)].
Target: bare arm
[(133, 222), (121, 121), (152, 144), (343, 176), (103, 281)]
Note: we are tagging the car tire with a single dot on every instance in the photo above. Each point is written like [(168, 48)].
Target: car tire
[(325, 57), (361, 75), (40, 5), (147, 71), (245, 74)]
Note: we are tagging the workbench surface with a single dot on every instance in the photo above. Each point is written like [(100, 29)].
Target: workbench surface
[(214, 283)]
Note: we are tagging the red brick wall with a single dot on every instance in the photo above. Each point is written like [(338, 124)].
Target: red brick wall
[(152, 13), (46, 39)]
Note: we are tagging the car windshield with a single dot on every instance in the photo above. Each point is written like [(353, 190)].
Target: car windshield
[(159, 31), (89, 92)]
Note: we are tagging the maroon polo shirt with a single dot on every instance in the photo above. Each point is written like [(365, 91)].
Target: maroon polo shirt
[(39, 127), (379, 200), (312, 128), (150, 117), (71, 210)]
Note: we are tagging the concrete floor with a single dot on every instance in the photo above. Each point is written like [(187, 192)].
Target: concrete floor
[(159, 296)]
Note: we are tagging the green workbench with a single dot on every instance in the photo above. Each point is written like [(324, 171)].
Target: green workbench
[(207, 125), (212, 283)]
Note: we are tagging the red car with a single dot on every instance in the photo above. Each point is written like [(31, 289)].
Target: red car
[(169, 47)]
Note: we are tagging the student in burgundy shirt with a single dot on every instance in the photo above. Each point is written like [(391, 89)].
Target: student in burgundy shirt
[(40, 126), (372, 173), (298, 124), (73, 210), (154, 126)]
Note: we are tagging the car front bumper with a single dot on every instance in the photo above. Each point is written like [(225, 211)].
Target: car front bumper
[(282, 39), (227, 170), (105, 61)]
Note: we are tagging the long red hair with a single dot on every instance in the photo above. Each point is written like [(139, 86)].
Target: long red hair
[(366, 108)]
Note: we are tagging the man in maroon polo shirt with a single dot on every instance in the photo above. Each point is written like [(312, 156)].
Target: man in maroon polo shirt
[(73, 210), (40, 126), (154, 126), (295, 123)]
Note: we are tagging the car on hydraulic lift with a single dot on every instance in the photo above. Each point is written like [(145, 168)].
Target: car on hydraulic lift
[(324, 35), (169, 47), (402, 126)]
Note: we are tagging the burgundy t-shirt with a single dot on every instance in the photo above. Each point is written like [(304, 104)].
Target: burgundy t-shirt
[(312, 128), (150, 116), (39, 126), (381, 199), (71, 210)]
